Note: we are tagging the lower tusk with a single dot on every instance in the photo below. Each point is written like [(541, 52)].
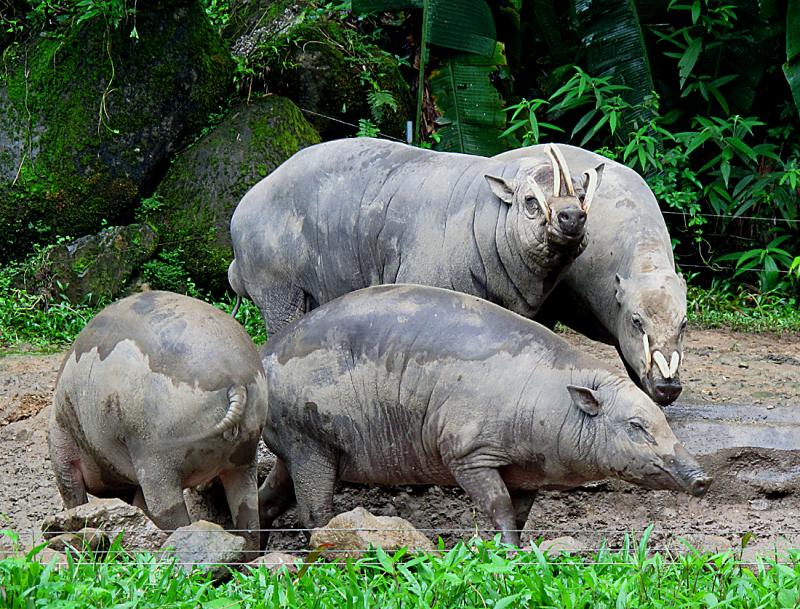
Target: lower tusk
[(647, 357), (673, 363), (661, 362)]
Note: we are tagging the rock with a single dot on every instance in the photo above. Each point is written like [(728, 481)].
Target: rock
[(274, 561), (94, 267), (205, 183), (48, 556), (112, 516), (206, 546), (351, 533), (560, 545), (307, 61), (712, 544), (90, 539), (77, 150)]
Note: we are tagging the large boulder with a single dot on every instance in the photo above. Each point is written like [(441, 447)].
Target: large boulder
[(350, 534), (325, 67), (205, 183), (89, 121)]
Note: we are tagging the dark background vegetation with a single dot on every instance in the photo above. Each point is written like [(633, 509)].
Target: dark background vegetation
[(701, 97)]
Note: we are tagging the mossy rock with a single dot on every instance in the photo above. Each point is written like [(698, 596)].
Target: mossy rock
[(88, 121), (205, 183), (96, 267), (316, 63)]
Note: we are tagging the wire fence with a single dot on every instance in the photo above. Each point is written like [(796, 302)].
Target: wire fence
[(603, 546)]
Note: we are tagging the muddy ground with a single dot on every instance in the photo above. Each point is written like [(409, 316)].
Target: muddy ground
[(720, 367)]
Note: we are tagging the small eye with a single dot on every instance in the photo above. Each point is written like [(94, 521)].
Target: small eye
[(636, 320), (638, 432), (531, 206)]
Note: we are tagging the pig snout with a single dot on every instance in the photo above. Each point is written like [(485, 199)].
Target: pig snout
[(571, 221), (686, 471), (667, 391)]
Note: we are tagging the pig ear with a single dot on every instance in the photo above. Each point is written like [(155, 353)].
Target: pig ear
[(585, 399), (502, 188), (620, 293)]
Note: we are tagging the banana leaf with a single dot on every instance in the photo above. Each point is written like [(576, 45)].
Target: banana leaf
[(611, 33), (791, 68), (472, 109)]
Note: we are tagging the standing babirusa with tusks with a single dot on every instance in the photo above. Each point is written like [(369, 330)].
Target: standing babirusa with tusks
[(348, 214)]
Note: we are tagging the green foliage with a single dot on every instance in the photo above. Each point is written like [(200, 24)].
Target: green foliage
[(473, 574), (46, 319), (746, 310), (41, 319)]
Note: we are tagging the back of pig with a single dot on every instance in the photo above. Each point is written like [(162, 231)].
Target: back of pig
[(377, 375), (159, 392)]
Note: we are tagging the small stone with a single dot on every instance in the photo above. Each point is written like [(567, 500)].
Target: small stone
[(759, 505), (85, 539), (351, 533), (206, 546), (560, 545), (274, 561)]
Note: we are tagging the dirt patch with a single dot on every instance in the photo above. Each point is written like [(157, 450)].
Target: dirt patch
[(720, 367)]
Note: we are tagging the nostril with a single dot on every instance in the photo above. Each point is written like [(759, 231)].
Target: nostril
[(700, 486), (563, 217)]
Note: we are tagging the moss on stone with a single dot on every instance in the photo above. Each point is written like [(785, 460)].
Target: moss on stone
[(96, 114), (206, 182)]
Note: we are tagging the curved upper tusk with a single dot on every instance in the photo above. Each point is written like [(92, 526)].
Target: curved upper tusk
[(661, 362), (647, 357), (556, 171), (591, 188), (562, 162), (673, 363), (539, 194)]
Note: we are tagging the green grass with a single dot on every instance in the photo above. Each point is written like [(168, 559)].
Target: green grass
[(473, 574), (743, 310)]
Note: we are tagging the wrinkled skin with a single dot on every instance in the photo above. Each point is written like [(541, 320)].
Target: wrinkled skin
[(417, 385), (160, 392), (348, 214), (628, 245)]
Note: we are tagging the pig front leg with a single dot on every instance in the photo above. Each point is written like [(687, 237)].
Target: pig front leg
[(314, 476), (522, 502), (486, 488)]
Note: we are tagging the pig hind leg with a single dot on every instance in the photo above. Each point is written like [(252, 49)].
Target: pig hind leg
[(65, 459), (162, 490), (522, 502), (241, 491), (276, 494)]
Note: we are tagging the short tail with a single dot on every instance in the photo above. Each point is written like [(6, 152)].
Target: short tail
[(229, 425), (236, 285)]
